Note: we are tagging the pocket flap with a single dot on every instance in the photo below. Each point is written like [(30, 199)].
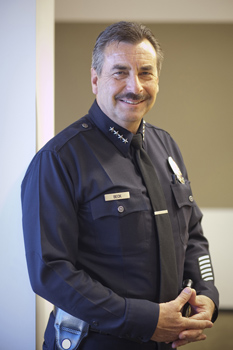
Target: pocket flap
[(183, 194), (118, 207)]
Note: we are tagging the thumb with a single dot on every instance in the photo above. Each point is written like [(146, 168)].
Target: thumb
[(184, 296)]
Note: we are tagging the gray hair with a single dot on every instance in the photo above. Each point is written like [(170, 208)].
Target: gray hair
[(129, 32)]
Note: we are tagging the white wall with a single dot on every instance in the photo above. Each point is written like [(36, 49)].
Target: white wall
[(17, 146), (45, 114), (23, 130), (218, 228)]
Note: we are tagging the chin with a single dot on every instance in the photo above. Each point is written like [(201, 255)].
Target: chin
[(135, 116)]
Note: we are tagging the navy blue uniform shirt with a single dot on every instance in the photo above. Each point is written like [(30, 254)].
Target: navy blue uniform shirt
[(90, 235)]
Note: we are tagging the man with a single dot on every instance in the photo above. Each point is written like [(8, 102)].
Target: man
[(94, 242)]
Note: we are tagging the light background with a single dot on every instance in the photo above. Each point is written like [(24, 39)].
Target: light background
[(194, 104), (204, 137)]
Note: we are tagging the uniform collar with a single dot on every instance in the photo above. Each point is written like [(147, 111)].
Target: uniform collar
[(119, 136)]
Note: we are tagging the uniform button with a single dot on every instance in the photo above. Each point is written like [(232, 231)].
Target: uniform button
[(85, 126), (191, 198), (121, 209), (66, 344), (95, 323)]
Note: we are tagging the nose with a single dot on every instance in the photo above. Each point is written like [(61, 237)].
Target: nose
[(133, 84)]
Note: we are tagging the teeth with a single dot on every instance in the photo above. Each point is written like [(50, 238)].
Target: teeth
[(132, 102)]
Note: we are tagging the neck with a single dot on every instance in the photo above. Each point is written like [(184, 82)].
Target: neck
[(130, 126)]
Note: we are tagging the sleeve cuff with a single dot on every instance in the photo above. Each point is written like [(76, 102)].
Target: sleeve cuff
[(141, 319)]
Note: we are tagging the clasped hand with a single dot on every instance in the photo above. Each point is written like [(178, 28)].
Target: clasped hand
[(173, 328)]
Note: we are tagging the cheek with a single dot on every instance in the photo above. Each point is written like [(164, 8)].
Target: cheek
[(109, 88), (115, 85), (153, 90)]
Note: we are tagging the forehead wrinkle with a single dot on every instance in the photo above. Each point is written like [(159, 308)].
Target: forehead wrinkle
[(125, 56)]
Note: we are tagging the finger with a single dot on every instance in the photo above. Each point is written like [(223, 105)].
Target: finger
[(192, 323), (200, 316), (181, 342), (192, 299), (184, 297), (191, 334), (178, 343)]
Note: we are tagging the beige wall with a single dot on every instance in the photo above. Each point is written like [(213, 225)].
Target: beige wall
[(150, 11), (194, 103)]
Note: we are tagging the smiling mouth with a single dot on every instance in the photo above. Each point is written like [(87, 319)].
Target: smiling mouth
[(131, 99), (131, 102)]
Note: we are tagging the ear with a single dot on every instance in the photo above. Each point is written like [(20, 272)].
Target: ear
[(94, 81)]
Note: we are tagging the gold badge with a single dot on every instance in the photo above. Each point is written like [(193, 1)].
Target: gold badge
[(176, 170)]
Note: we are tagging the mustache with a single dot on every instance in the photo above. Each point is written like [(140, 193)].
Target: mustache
[(131, 96)]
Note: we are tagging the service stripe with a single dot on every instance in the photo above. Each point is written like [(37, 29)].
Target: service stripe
[(205, 268)]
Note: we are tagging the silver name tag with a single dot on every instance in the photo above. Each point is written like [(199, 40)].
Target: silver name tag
[(116, 196)]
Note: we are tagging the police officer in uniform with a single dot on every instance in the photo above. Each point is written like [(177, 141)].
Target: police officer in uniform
[(93, 246)]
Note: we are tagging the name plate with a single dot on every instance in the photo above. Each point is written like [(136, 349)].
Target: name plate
[(116, 196)]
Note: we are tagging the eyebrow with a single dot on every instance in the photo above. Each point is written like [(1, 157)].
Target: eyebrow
[(148, 67), (120, 67)]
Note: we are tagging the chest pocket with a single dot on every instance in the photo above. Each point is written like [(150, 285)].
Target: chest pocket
[(119, 224), (185, 202), (118, 207)]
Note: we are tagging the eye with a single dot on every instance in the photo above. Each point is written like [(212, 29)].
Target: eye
[(120, 74), (146, 75)]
